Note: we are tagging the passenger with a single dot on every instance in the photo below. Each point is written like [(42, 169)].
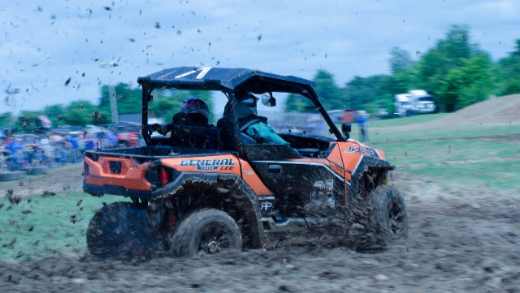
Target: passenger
[(195, 130), (253, 125), (194, 112)]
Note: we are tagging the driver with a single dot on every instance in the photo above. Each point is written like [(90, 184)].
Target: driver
[(253, 125)]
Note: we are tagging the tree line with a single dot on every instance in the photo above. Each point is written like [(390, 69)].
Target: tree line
[(82, 112), (456, 71)]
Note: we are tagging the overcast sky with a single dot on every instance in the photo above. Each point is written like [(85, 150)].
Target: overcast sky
[(93, 42)]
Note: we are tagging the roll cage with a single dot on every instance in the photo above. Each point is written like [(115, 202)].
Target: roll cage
[(232, 82)]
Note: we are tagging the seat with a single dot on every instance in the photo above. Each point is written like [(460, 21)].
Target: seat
[(194, 137)]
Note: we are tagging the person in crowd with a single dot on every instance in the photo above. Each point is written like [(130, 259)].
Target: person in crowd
[(362, 122), (48, 151), (14, 150), (347, 118), (73, 145)]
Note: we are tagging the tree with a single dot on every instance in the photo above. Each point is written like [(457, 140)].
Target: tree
[(372, 92), (55, 113), (400, 60), (84, 112), (330, 95), (28, 121), (298, 103), (449, 53), (128, 99), (472, 82), (509, 72), (6, 120)]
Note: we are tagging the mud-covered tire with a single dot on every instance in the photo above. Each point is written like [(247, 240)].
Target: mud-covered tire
[(207, 230), (10, 176), (122, 229), (388, 217)]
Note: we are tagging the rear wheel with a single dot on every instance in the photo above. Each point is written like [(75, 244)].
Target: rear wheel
[(206, 231), (122, 229)]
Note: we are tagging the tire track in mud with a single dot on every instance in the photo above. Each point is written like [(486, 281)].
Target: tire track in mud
[(460, 239)]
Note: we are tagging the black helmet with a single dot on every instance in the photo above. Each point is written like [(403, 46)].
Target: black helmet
[(195, 106), (246, 107), (194, 111)]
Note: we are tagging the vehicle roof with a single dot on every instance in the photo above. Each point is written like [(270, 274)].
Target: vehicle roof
[(225, 79)]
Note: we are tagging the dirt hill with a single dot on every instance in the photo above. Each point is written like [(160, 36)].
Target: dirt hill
[(494, 111), (504, 109)]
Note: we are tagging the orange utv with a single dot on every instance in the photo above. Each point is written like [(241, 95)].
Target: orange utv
[(187, 196)]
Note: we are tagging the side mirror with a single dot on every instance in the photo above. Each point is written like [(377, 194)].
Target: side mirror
[(268, 100), (346, 129)]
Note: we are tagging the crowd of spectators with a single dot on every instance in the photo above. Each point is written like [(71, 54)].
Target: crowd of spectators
[(55, 147)]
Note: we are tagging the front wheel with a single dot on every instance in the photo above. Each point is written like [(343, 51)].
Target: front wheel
[(386, 220), (208, 231), (390, 214)]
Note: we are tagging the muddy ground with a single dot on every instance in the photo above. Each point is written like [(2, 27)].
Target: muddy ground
[(63, 179), (461, 239)]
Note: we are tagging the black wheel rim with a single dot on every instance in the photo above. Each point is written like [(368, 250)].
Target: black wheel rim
[(214, 238), (396, 217)]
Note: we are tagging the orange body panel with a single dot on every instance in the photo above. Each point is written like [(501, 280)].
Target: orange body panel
[(130, 177), (353, 151), (350, 158), (342, 160), (345, 157), (334, 161), (224, 164), (252, 179)]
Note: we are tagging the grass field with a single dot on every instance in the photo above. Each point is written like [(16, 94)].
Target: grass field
[(483, 156), (40, 226), (406, 120)]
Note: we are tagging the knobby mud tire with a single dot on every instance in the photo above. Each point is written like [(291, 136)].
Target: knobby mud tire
[(190, 234), (386, 220), (120, 230)]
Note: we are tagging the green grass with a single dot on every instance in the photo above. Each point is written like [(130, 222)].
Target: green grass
[(489, 163), (406, 120), (40, 226), (487, 156)]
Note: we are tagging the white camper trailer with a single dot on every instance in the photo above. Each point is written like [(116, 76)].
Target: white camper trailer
[(414, 102)]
